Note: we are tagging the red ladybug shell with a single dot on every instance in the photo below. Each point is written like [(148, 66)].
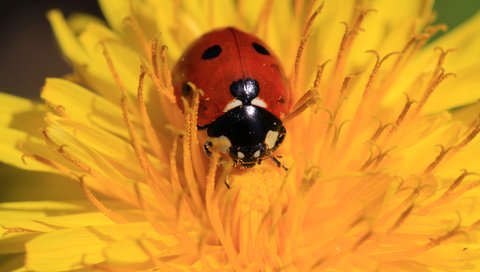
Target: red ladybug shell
[(241, 56)]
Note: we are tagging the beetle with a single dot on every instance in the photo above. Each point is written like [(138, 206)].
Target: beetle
[(246, 94)]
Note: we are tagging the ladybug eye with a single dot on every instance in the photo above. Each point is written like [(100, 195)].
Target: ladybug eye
[(260, 49), (212, 52)]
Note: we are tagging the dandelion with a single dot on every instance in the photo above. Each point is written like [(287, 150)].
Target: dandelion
[(381, 177)]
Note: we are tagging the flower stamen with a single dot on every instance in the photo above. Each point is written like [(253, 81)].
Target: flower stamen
[(343, 51), (452, 191), (401, 219), (132, 22), (146, 247), (409, 50), (78, 163), (408, 104), (150, 133), (15, 231), (115, 217), (190, 140), (156, 224), (474, 130), (100, 181), (437, 241), (152, 179), (381, 128), (174, 179), (362, 240), (438, 159), (455, 184), (264, 17), (162, 90), (375, 160), (432, 86), (303, 42), (166, 75), (214, 214), (365, 105), (309, 99), (373, 74), (154, 53), (45, 161)]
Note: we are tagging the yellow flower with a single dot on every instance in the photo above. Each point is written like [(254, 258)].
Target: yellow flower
[(381, 176)]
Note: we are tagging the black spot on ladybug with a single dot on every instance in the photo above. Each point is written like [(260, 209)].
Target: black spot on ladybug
[(212, 52), (260, 49), (186, 89), (281, 100)]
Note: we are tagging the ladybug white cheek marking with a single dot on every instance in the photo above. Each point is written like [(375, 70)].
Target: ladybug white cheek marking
[(235, 103), (259, 102), (256, 154), (240, 155), (271, 138)]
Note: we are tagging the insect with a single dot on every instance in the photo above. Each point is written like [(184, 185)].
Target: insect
[(245, 96)]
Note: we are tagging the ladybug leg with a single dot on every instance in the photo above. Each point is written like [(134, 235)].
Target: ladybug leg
[(279, 163), (226, 169), (207, 146), (227, 183)]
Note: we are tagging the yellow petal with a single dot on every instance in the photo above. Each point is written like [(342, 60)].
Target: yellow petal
[(11, 150), (21, 114), (11, 262), (249, 11), (463, 159), (466, 114), (27, 209), (463, 62), (96, 72), (22, 221), (52, 223), (466, 43), (115, 12), (224, 14), (66, 38), (138, 251), (455, 92), (79, 21), (84, 106), (389, 28), (15, 243), (77, 248), (454, 257), (85, 54)]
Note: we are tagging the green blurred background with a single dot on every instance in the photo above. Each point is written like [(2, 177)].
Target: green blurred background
[(28, 52)]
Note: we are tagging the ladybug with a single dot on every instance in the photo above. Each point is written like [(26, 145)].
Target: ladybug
[(246, 94)]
